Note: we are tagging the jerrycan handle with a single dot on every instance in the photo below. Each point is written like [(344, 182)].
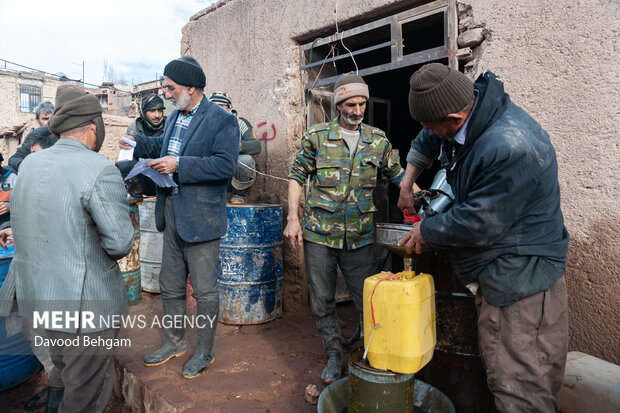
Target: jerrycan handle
[(406, 275)]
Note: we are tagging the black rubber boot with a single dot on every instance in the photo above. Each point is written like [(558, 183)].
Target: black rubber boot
[(54, 398), (333, 370), (134, 191), (36, 401), (205, 354), (174, 338), (238, 197), (329, 330)]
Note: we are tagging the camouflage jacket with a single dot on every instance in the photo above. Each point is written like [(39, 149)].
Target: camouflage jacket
[(339, 205)]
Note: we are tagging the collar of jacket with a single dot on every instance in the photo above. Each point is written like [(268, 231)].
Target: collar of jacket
[(72, 142), (334, 131), (492, 101)]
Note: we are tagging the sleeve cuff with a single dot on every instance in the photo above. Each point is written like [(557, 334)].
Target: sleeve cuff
[(418, 159)]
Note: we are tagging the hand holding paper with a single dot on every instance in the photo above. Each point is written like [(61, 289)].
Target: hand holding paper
[(163, 181)]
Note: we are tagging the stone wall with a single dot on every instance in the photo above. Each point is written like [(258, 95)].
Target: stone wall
[(557, 64), (10, 113)]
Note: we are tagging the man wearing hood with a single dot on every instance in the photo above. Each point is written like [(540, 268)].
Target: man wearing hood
[(149, 124), (66, 251), (504, 236), (151, 120)]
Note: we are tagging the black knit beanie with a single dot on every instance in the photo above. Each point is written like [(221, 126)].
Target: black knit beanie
[(186, 71), (436, 90)]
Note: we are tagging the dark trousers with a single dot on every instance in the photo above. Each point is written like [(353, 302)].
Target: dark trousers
[(85, 371), (322, 264), (524, 347), (199, 259)]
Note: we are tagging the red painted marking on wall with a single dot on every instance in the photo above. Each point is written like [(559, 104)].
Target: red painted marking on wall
[(265, 131)]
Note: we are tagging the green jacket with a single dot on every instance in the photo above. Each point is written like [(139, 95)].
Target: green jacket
[(339, 205)]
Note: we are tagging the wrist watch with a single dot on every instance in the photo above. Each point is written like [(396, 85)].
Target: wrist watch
[(177, 163)]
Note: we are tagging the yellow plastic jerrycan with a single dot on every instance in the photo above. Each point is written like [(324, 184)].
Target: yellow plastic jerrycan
[(399, 321)]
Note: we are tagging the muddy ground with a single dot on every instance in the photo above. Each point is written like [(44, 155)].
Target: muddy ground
[(258, 368)]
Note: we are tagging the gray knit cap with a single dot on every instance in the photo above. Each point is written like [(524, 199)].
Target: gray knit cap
[(436, 90), (348, 86), (75, 108)]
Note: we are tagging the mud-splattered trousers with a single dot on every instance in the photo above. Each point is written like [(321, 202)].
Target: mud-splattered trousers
[(338, 223), (506, 232)]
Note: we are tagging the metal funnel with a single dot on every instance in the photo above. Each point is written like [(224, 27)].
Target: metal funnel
[(387, 235)]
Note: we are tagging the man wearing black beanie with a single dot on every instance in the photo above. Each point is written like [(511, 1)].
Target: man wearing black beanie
[(199, 149), (504, 236)]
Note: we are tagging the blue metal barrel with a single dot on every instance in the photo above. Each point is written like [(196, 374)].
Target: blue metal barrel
[(250, 279), (17, 363)]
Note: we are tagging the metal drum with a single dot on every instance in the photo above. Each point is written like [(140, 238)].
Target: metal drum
[(372, 390), (151, 247), (17, 363), (250, 278), (130, 264), (426, 398), (456, 368)]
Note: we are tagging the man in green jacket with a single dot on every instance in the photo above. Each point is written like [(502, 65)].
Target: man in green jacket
[(341, 159)]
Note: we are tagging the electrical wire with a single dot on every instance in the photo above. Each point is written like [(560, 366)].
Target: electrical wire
[(336, 16), (357, 72), (261, 173), (60, 77), (332, 51)]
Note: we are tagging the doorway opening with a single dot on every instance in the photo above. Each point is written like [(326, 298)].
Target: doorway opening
[(385, 52)]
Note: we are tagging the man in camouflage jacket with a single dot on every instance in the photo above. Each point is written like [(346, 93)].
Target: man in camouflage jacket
[(341, 159)]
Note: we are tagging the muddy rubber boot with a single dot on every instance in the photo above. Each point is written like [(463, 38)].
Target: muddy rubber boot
[(329, 330), (173, 344), (333, 370), (54, 398), (205, 354), (36, 401)]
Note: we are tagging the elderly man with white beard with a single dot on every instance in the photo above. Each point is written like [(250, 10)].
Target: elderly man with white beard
[(199, 149)]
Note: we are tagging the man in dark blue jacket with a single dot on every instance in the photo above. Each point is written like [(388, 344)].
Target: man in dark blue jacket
[(199, 148), (504, 235)]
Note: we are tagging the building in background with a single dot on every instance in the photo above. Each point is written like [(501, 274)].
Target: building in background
[(22, 90), (20, 93), (560, 67)]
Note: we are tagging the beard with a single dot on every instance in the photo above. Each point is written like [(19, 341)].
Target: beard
[(183, 102), (350, 121)]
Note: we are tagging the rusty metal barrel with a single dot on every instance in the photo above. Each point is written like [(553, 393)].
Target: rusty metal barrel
[(17, 363), (250, 278), (456, 368), (130, 264), (373, 390), (151, 247)]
